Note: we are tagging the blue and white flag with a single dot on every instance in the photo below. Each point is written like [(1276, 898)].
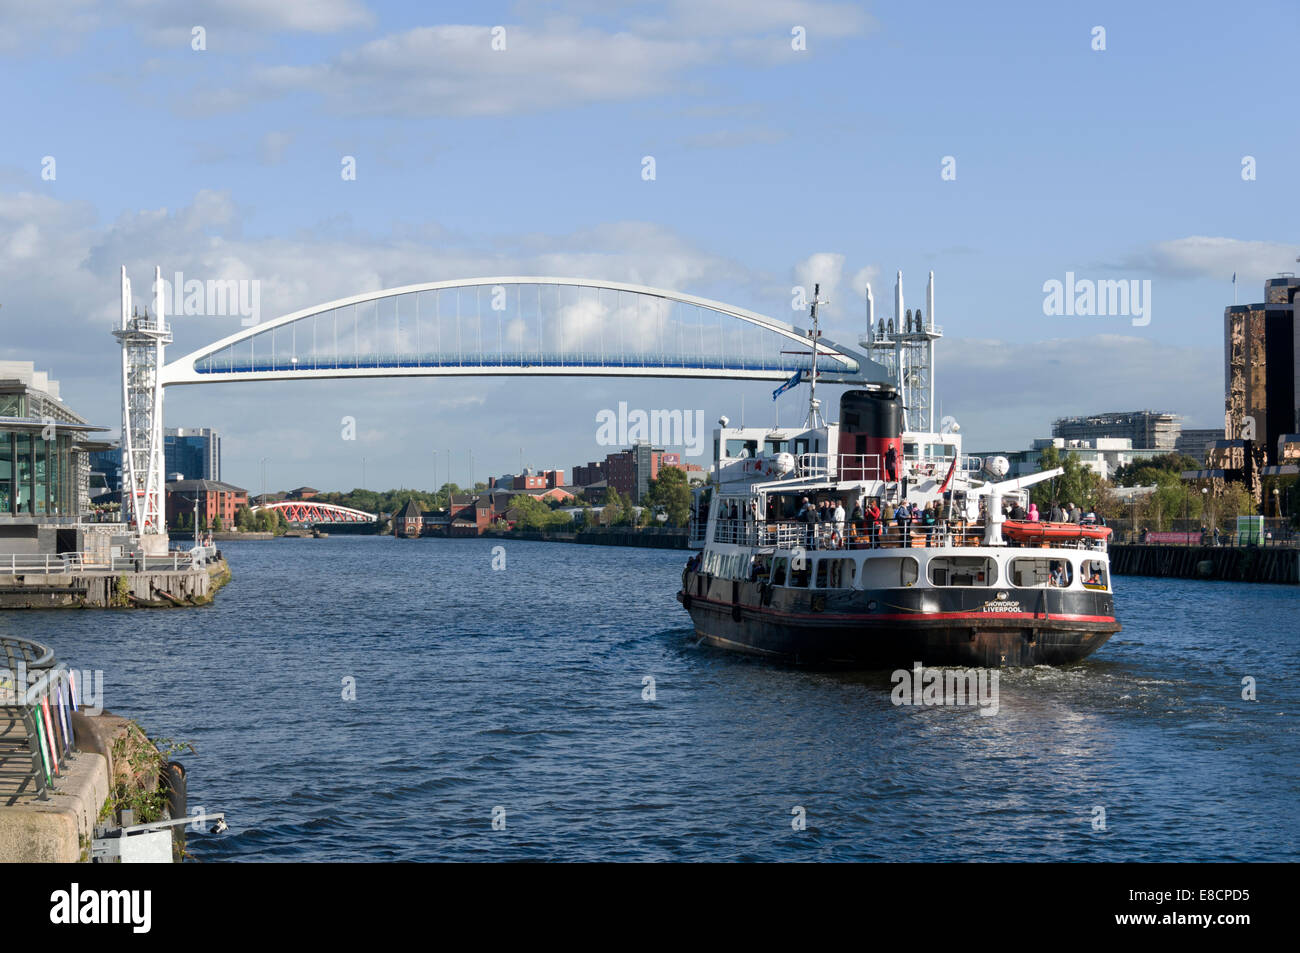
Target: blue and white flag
[(798, 376)]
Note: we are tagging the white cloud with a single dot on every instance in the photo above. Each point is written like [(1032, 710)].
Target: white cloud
[(1203, 256)]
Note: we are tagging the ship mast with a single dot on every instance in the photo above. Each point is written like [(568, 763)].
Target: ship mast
[(815, 419)]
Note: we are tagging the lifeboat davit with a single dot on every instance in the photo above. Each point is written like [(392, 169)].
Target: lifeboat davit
[(1018, 530)]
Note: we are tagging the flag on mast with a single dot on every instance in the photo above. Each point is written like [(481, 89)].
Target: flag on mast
[(948, 479), (798, 376)]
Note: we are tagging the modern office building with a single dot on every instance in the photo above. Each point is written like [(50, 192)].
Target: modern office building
[(195, 453), (44, 464), (192, 452), (1260, 356), (1142, 428), (1196, 443), (1102, 455)]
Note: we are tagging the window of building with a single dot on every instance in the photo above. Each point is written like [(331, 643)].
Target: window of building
[(963, 571)]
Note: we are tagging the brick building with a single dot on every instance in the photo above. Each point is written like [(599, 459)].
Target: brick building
[(215, 499), (631, 471)]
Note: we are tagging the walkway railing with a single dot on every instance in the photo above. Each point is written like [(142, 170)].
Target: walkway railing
[(37, 699), (786, 534), (16, 564)]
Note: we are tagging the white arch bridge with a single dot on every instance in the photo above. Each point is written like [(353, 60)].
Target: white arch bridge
[(534, 326), (529, 326)]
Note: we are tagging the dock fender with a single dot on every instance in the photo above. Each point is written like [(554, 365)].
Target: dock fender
[(173, 782)]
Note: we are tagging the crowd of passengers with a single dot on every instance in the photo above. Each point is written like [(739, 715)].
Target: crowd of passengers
[(871, 520)]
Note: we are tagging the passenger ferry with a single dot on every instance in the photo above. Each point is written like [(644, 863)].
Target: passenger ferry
[(974, 589)]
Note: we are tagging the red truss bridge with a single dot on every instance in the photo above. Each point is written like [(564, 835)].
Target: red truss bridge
[(303, 512)]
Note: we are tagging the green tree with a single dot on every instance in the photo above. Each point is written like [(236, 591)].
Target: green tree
[(243, 518), (671, 491), (1146, 472), (616, 508), (1079, 484), (216, 523)]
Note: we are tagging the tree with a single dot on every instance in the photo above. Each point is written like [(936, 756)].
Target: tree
[(616, 508), (672, 492), (243, 518), (216, 523), (1079, 484), (1146, 472)]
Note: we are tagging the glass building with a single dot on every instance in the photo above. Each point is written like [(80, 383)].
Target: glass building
[(44, 470)]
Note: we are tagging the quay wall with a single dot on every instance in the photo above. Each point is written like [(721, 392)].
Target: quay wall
[(614, 536), (92, 589), (1271, 564)]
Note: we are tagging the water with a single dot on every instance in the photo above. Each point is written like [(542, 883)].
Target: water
[(522, 689)]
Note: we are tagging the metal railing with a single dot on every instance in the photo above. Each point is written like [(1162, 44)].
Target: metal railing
[(37, 699), (871, 466), (18, 564), (786, 534)]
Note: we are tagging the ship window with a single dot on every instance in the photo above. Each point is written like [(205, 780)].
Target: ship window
[(778, 570), (887, 572), (777, 446), (737, 449), (835, 573), (963, 571), (800, 572), (1037, 573), (1094, 574)]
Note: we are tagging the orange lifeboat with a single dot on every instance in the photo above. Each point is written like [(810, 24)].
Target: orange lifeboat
[(1047, 532)]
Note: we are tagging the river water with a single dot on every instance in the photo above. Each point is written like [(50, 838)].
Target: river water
[(519, 691)]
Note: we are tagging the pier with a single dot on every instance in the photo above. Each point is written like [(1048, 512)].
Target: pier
[(1271, 564)]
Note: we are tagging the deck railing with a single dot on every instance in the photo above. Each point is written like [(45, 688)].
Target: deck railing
[(786, 534), (37, 699)]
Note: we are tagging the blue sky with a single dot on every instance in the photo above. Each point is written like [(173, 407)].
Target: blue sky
[(774, 166)]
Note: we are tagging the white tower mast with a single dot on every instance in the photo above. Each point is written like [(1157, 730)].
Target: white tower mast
[(143, 343)]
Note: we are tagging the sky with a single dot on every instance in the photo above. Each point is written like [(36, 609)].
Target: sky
[(1001, 148)]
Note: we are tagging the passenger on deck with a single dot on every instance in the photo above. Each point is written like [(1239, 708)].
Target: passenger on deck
[(838, 516), (930, 519), (809, 515), (903, 518), (891, 464), (1056, 514), (1057, 575), (1018, 512), (1033, 513), (872, 517)]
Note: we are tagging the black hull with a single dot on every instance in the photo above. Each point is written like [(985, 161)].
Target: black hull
[(895, 628)]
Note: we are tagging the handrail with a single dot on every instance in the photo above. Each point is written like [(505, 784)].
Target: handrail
[(37, 696), (787, 534), (48, 564)]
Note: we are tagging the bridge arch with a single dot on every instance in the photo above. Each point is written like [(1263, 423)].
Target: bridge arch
[(536, 326)]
